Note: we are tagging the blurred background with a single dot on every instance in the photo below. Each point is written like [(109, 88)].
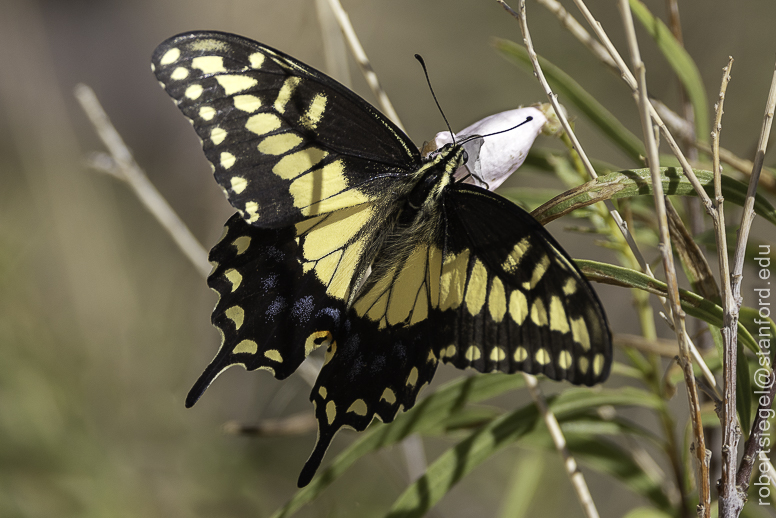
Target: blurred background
[(104, 324)]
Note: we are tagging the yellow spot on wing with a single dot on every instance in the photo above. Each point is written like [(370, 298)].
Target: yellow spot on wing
[(326, 267), (322, 391), (406, 286), (179, 73), (358, 407), (262, 123), (274, 355), (171, 56), (598, 364), (252, 210), (238, 184), (473, 353), (207, 113), (434, 274), (583, 364), (565, 360), (420, 308), (539, 313), (314, 112), (331, 411), (217, 135), (518, 306), (209, 64), (579, 332), (193, 91), (450, 351), (558, 319), (256, 59), (389, 396), (233, 83), (324, 190), (570, 287), (285, 93), (241, 244), (512, 261), (340, 282), (279, 144), (497, 300), (520, 354), (234, 277), (246, 346), (540, 270), (412, 379), (453, 280), (247, 103), (291, 166), (476, 288), (227, 160), (497, 354), (236, 315), (542, 356)]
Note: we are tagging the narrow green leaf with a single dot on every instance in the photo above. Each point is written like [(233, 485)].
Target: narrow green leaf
[(458, 461), (572, 93), (578, 399), (425, 416), (681, 63), (525, 480), (693, 304), (638, 182)]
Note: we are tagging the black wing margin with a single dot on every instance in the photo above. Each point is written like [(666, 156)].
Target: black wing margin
[(511, 299), (285, 141)]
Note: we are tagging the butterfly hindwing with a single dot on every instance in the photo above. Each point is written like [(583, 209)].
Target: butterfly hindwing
[(511, 299), (285, 141), (283, 292)]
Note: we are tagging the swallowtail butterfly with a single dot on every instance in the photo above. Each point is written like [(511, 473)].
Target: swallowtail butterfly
[(345, 238)]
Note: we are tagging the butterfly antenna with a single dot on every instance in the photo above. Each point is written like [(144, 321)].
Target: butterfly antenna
[(425, 71), (472, 137)]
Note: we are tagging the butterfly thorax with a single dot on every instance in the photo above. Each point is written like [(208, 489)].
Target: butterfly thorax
[(434, 175)]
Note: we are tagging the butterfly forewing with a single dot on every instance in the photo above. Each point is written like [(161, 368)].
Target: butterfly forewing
[(285, 141)]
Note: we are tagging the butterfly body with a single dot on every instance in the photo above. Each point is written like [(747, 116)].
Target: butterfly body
[(345, 238)]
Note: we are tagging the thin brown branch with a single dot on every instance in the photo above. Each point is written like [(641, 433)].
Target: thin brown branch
[(704, 507), (559, 440), (753, 446), (363, 62), (621, 225), (128, 170), (296, 424), (630, 80), (575, 28), (730, 499)]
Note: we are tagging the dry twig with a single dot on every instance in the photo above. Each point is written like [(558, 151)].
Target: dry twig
[(653, 160)]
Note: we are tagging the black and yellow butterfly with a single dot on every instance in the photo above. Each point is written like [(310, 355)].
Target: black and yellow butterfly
[(346, 239)]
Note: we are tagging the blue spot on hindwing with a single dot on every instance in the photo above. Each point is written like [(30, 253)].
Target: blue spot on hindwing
[(275, 307), (333, 313), (303, 308), (270, 281)]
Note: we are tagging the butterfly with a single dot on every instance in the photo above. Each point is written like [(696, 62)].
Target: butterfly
[(345, 238)]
